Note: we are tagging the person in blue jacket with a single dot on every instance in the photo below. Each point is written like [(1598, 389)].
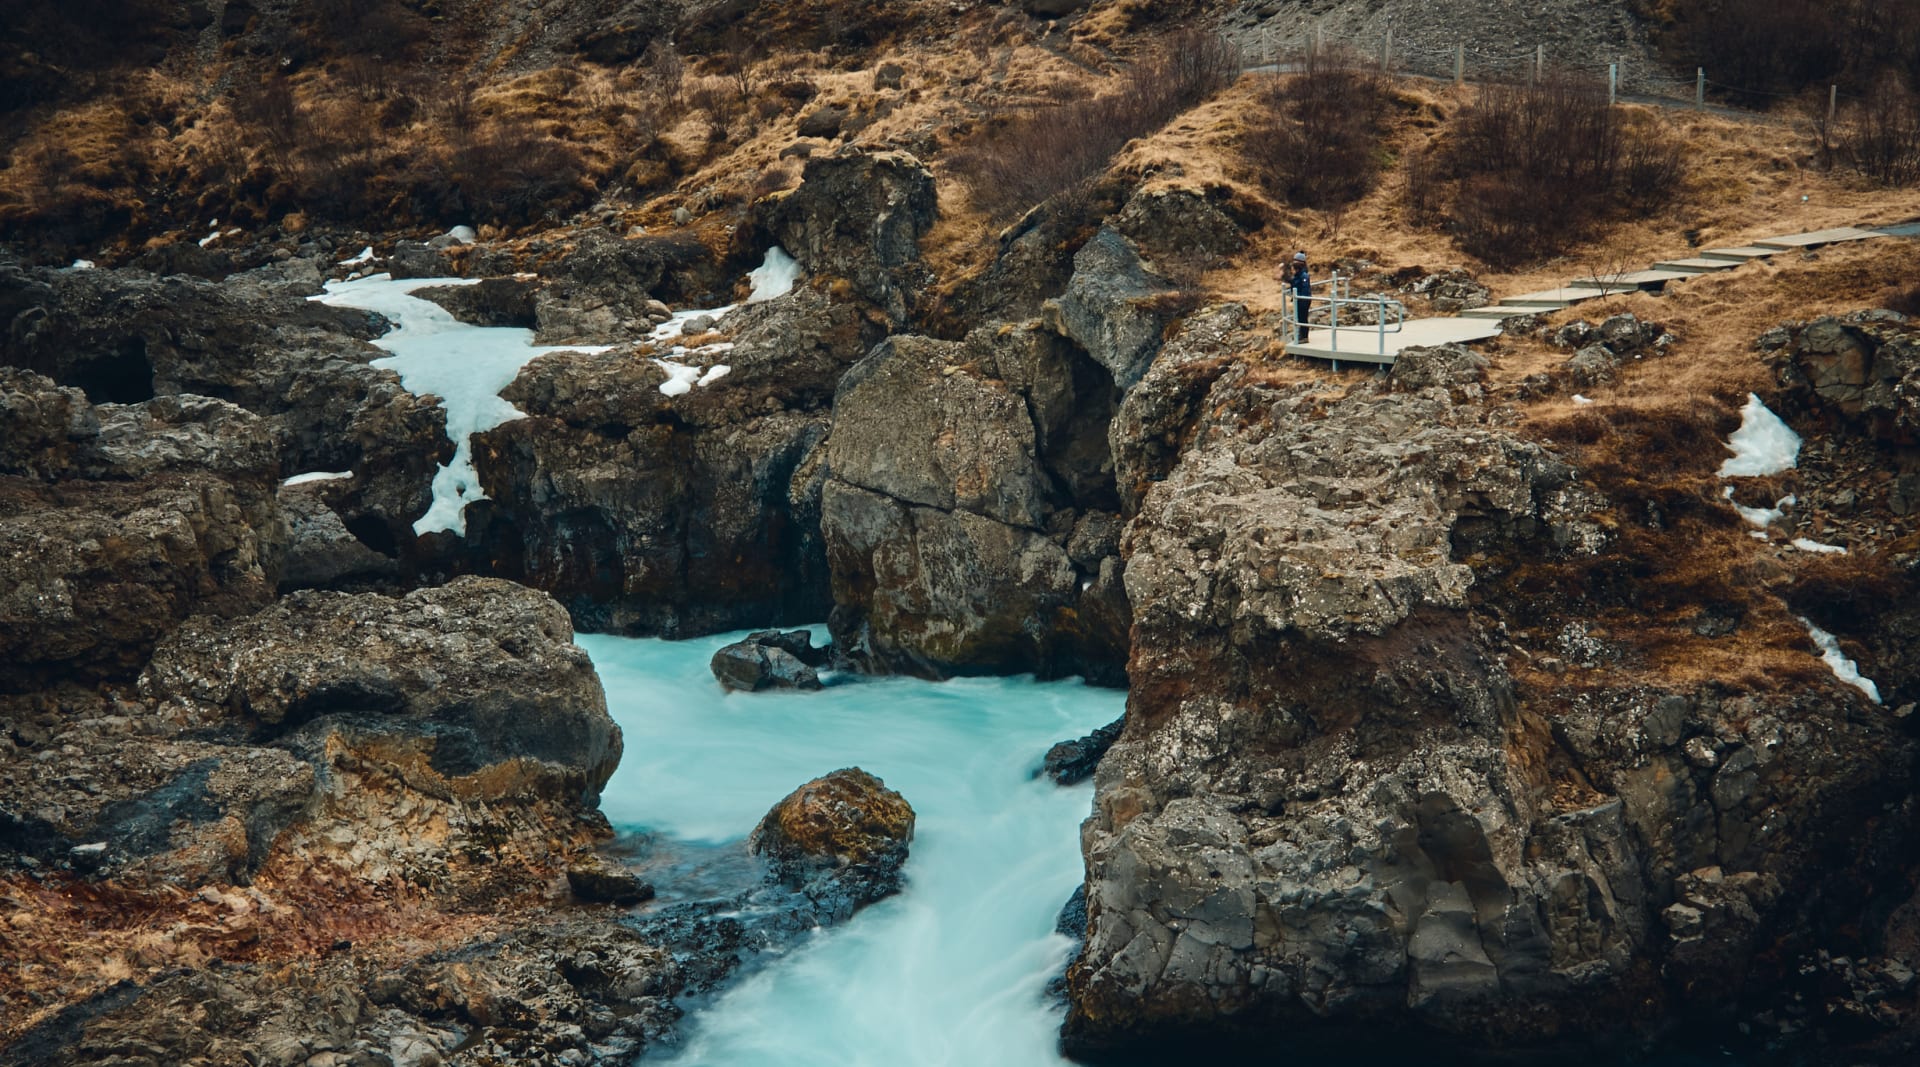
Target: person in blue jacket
[(1302, 282)]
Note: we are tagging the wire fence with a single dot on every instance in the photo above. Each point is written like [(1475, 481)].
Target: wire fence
[(1629, 77)]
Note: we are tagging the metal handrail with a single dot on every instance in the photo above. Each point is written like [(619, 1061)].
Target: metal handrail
[(1336, 286)]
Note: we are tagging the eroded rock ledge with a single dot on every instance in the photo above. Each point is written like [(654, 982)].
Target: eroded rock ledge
[(1334, 811)]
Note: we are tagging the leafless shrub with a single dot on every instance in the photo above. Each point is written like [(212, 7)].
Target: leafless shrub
[(1881, 137), (1052, 151), (1534, 167), (1317, 140)]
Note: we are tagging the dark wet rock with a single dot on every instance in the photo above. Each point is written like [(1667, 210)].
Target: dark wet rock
[(603, 289), (1073, 762), (858, 214), (651, 514), (888, 76), (488, 302), (475, 686), (841, 839), (321, 552), (598, 880), (1113, 307), (751, 666), (1072, 920)]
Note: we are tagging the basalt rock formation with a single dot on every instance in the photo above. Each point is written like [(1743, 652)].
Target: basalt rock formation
[(125, 337), (654, 514), (969, 509), (118, 521), (1342, 808)]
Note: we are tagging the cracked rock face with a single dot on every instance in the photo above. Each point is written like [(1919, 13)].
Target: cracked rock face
[(1332, 814), (967, 494)]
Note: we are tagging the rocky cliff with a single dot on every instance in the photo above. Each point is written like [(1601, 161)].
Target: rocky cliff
[(1349, 805)]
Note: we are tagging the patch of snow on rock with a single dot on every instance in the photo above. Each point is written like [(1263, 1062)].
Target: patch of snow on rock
[(465, 366), (1807, 545), (1762, 445), (775, 276), (714, 374), (365, 255), (1837, 661), (680, 378), (317, 476)]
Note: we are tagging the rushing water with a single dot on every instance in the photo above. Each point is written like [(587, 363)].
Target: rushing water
[(953, 969)]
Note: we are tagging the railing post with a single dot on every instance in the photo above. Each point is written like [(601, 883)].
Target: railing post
[(1613, 83), (1539, 60), (1699, 88), (1459, 64), (1380, 320), (1386, 50), (1833, 103)]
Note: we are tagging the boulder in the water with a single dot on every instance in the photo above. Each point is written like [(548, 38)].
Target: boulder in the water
[(770, 659), (1072, 762), (596, 880), (840, 839)]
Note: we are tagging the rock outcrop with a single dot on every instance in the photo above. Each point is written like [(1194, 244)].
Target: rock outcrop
[(654, 514), (770, 659), (1863, 368), (474, 689), (858, 214), (118, 521), (840, 839), (969, 509), (1116, 307), (126, 337), (1339, 810)]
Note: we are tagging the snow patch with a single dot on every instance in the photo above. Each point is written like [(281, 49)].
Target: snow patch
[(1806, 545), (1578, 399), (775, 276), (365, 255), (714, 374), (1762, 445), (465, 366), (463, 234), (82, 264), (1760, 517), (680, 378), (1837, 661), (317, 476)]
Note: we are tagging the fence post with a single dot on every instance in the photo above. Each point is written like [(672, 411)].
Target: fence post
[(1699, 88), (1319, 39), (1386, 50), (1539, 60), (1459, 64), (1833, 103), (1613, 83)]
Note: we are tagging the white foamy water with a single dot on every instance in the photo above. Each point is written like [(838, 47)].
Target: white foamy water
[(950, 971), (465, 366)]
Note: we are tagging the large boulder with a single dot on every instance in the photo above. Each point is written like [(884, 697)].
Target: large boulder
[(858, 214), (960, 474), (118, 521), (475, 687), (1116, 306), (841, 839), (1862, 369)]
